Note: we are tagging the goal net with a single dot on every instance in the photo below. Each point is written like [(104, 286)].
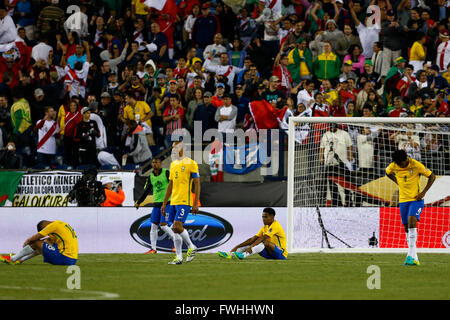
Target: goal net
[(339, 197)]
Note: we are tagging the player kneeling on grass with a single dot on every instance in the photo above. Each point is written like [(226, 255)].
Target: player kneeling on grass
[(406, 172), (269, 242), (59, 248)]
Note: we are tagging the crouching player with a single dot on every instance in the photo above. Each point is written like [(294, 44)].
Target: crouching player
[(269, 242), (59, 248)]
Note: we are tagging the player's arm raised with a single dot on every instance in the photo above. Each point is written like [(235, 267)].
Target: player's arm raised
[(166, 198), (430, 182)]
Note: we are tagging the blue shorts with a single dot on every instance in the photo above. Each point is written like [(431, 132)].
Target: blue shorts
[(277, 254), (411, 208), (157, 217), (53, 256), (181, 212)]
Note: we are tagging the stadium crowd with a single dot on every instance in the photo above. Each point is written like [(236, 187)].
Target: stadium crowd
[(117, 77)]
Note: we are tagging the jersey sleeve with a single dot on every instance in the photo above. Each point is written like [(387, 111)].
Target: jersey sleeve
[(260, 232), (423, 170), (50, 228), (194, 170), (389, 169)]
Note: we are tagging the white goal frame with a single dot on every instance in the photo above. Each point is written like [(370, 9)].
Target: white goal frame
[(290, 178)]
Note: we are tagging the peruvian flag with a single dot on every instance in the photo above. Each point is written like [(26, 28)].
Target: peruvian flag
[(265, 115), (166, 6)]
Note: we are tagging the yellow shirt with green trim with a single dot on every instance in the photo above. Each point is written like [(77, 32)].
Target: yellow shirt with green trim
[(276, 235), (408, 179), (64, 236), (182, 174)]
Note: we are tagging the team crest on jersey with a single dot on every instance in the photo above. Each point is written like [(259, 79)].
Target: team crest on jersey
[(270, 230)]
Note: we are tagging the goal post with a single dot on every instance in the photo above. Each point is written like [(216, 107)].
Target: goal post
[(339, 197)]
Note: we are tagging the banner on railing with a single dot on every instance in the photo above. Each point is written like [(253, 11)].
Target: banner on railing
[(51, 188)]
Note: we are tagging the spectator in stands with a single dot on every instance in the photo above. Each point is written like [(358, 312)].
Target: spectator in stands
[(300, 62), (21, 119), (272, 94), (192, 107), (173, 118), (205, 113), (139, 149), (214, 50), (368, 35), (399, 110), (345, 41), (85, 135), (71, 120), (8, 157), (393, 39), (47, 129), (357, 58), (327, 65), (205, 28), (226, 116)]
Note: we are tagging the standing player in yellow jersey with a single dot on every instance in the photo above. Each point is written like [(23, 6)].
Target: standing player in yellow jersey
[(183, 174), (59, 248), (406, 172), (269, 242)]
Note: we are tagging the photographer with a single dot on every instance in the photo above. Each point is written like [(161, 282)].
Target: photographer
[(113, 192), (9, 159), (336, 155), (87, 191)]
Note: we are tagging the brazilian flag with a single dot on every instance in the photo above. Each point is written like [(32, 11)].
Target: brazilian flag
[(9, 180)]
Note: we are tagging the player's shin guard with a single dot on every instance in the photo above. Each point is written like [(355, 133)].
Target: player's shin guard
[(412, 235), (153, 235), (187, 239), (178, 243), (256, 249), (22, 253)]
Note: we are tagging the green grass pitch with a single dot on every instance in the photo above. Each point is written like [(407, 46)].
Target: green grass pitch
[(302, 276)]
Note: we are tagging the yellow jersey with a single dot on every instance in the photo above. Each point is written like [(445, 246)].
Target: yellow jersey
[(276, 235), (141, 108), (139, 7), (408, 179), (182, 173), (64, 236)]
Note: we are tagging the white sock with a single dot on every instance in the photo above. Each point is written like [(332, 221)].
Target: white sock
[(22, 253), (412, 234), (31, 255), (153, 235), (256, 249), (186, 239), (168, 231), (178, 243), (242, 249)]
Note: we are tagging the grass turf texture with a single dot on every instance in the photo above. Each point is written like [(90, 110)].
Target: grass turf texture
[(302, 276)]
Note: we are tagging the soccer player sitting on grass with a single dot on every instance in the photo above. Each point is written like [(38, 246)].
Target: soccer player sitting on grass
[(157, 181), (406, 172), (269, 242), (59, 248), (183, 173)]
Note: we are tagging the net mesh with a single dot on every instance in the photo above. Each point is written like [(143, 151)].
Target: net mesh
[(341, 196)]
